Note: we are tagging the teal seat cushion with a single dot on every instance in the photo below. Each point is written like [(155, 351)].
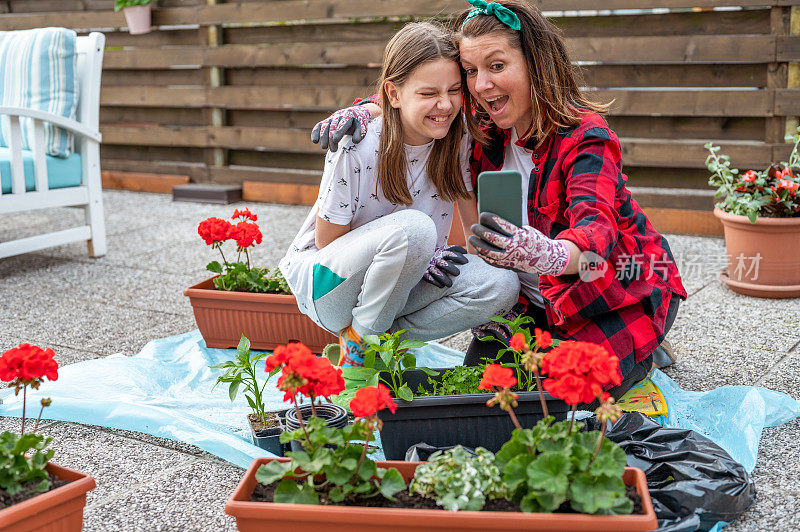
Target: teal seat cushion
[(61, 172)]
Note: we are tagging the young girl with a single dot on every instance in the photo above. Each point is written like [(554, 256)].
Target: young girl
[(381, 221)]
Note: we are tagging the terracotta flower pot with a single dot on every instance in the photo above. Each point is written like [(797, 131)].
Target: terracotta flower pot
[(138, 19), (763, 257), (257, 516), (58, 510), (267, 320)]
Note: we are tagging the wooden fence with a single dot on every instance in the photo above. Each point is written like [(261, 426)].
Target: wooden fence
[(227, 92)]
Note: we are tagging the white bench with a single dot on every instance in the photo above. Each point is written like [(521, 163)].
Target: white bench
[(87, 138)]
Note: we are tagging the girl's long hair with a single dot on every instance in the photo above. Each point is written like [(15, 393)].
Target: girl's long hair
[(416, 44), (556, 98)]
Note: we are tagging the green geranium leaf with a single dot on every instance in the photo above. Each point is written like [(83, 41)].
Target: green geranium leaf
[(409, 361), (549, 472), (272, 471), (367, 470), (214, 267), (391, 483), (288, 491), (589, 494)]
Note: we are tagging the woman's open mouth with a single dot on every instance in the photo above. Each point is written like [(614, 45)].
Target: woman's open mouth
[(439, 119), (496, 104)]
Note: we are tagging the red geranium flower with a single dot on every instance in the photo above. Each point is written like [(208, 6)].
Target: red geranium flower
[(749, 176), (28, 363), (369, 400), (213, 230), (245, 233), (517, 342), (543, 338), (244, 213), (304, 373), (788, 185), (579, 371), (498, 376)]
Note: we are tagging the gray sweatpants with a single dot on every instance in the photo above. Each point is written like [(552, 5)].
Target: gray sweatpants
[(378, 269)]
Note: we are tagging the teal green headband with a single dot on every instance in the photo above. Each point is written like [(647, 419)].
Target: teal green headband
[(501, 12)]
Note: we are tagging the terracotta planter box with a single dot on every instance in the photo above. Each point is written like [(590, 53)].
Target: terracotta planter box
[(776, 241), (58, 510), (267, 320), (258, 516)]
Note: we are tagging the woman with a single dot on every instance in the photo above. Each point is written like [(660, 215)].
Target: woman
[(527, 113), (380, 224)]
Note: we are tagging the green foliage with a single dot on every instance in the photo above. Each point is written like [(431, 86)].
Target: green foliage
[(459, 481), (330, 457), (386, 353), (120, 4), (548, 465), (240, 374), (22, 460), (239, 277), (526, 381), (760, 197), (460, 380)]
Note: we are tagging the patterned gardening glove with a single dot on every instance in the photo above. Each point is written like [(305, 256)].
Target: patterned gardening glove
[(500, 331), (350, 121), (503, 244), (443, 263)]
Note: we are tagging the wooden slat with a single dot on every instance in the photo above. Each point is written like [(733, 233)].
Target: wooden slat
[(155, 135), (197, 172), (668, 49), (286, 193), (626, 102), (250, 12), (142, 182), (267, 174), (719, 127), (683, 221), (686, 75), (691, 153)]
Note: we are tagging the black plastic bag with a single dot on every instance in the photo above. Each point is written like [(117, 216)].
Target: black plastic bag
[(693, 482)]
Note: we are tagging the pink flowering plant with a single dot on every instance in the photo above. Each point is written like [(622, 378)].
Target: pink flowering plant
[(772, 192), (240, 275)]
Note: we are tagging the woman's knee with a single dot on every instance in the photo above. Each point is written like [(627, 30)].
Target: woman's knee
[(504, 284)]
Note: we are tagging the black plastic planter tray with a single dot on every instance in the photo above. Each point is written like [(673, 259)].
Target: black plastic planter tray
[(447, 420)]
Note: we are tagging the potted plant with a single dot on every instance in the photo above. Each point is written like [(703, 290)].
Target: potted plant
[(444, 407), (137, 14), (333, 484), (240, 374), (243, 299), (36, 494), (760, 214), (312, 377)]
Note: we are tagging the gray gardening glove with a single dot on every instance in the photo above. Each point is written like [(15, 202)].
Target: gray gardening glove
[(350, 121), (443, 265)]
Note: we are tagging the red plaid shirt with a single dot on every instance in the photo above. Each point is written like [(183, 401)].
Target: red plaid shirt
[(577, 192)]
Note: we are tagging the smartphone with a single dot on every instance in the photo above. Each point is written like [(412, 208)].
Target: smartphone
[(501, 193)]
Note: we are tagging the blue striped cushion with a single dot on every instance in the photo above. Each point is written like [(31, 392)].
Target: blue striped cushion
[(38, 71)]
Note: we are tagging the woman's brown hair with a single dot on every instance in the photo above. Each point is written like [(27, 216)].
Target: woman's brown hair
[(416, 44), (556, 98)]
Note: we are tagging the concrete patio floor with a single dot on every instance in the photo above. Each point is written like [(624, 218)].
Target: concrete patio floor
[(88, 308)]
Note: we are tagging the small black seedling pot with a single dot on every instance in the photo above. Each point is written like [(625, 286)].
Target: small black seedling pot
[(335, 415)]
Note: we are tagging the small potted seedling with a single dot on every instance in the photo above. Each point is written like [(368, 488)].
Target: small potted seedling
[(240, 375)]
